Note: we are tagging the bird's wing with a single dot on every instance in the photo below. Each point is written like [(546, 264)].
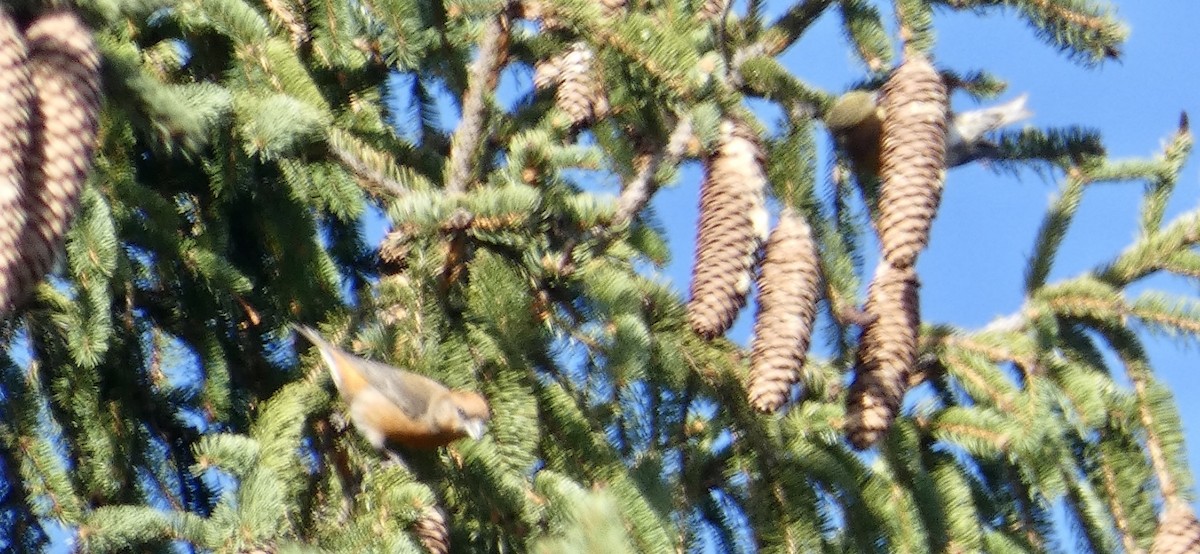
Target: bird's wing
[(411, 392)]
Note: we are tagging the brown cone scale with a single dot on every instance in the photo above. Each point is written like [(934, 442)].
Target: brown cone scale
[(431, 530), (547, 73), (16, 104), (1178, 532), (580, 93), (65, 69), (913, 165), (886, 355), (733, 225), (789, 287)]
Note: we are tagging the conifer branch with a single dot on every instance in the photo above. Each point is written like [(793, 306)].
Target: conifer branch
[(864, 26), (667, 58), (636, 194), (993, 353), (1153, 252), (1083, 501), (1112, 498), (372, 166), (767, 77), (640, 189), (973, 380), (468, 137), (1133, 358), (1162, 184), (1054, 229), (292, 18), (915, 20), (370, 175), (1076, 25), (785, 31), (1166, 482), (1027, 524)]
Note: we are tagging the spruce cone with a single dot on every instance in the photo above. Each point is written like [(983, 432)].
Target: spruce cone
[(394, 250), (1178, 532), (547, 73), (886, 354), (913, 161), (580, 93), (789, 286), (431, 530), (733, 224), (16, 103), (65, 67)]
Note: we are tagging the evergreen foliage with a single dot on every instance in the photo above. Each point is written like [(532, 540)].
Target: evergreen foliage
[(152, 399)]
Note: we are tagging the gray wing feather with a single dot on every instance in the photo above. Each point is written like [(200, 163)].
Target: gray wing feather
[(409, 391)]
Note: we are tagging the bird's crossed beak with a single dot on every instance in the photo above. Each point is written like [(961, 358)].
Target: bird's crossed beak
[(474, 428)]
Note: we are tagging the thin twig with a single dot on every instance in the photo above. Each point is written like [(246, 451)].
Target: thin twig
[(784, 32), (467, 137), (637, 193)]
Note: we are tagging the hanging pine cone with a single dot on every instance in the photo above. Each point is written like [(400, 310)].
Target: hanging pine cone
[(733, 224), (886, 354), (547, 73), (580, 93), (431, 530), (913, 160), (1178, 532), (16, 102), (789, 285), (65, 69)]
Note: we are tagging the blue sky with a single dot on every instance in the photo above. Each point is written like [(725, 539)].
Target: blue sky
[(973, 270)]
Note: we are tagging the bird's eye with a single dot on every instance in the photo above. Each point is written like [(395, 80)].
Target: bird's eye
[(462, 414)]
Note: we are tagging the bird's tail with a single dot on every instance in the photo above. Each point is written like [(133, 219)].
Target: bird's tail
[(1013, 111), (312, 336), (329, 352), (970, 126)]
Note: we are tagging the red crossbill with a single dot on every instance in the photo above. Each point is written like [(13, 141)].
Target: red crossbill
[(391, 406)]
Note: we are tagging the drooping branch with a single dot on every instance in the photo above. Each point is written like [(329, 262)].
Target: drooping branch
[(786, 30)]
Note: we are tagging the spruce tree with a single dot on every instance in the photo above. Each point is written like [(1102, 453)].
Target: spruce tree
[(182, 180)]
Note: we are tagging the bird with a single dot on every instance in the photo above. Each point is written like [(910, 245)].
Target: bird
[(856, 121), (391, 406), (965, 141)]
